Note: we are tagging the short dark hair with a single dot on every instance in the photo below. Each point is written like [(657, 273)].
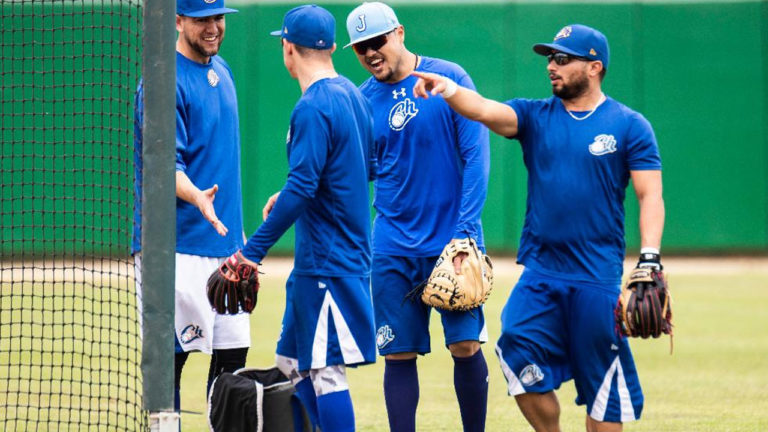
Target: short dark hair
[(311, 52)]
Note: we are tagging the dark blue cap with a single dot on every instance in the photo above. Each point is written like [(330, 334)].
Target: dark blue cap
[(578, 40), (202, 8), (309, 26)]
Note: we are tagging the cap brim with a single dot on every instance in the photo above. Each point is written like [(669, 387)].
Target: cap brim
[(209, 12), (545, 49), (370, 36)]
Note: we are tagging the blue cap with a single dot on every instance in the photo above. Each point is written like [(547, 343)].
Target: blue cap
[(309, 26), (370, 20), (202, 8), (578, 40)]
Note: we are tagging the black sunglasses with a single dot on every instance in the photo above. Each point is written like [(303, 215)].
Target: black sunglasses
[(373, 43), (562, 59)]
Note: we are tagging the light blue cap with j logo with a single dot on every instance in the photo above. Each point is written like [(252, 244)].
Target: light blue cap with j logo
[(369, 20)]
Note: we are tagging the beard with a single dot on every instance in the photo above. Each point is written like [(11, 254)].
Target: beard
[(200, 49), (575, 89)]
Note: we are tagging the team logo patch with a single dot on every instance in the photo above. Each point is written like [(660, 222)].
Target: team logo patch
[(190, 333), (401, 114), (213, 78), (603, 144), (384, 336), (531, 374), (563, 33)]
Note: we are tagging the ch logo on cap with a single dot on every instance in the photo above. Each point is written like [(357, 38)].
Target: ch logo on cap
[(563, 33), (362, 26)]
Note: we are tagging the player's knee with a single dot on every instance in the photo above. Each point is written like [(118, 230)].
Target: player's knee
[(464, 348), (401, 356), (289, 366), (229, 360), (329, 379)]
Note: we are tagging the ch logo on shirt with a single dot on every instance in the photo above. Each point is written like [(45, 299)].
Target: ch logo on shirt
[(190, 333), (603, 144), (384, 336), (401, 114), (213, 78)]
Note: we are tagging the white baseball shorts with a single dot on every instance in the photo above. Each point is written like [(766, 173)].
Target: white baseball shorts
[(198, 326)]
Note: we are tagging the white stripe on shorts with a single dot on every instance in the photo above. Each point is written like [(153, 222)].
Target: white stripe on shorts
[(601, 400), (514, 387), (349, 349)]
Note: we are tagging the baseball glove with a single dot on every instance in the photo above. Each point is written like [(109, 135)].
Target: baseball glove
[(460, 292), (233, 287), (644, 308)]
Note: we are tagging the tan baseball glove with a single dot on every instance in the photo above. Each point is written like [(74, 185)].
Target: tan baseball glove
[(447, 290)]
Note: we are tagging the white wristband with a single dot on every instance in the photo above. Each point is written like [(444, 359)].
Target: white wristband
[(450, 88), (651, 250)]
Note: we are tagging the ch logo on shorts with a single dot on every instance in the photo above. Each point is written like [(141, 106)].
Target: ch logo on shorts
[(384, 336), (603, 144), (531, 374), (402, 113), (190, 333), (213, 78)]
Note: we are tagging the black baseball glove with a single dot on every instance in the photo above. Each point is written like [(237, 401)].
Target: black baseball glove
[(644, 308), (233, 287)]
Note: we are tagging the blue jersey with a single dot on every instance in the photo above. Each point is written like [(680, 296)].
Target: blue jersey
[(578, 172), (207, 151), (432, 173), (329, 146)]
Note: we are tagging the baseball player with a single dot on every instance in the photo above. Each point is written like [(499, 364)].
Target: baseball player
[(328, 319), (430, 188), (581, 148), (207, 155)]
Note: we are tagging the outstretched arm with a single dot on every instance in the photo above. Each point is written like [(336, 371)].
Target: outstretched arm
[(202, 199), (498, 117)]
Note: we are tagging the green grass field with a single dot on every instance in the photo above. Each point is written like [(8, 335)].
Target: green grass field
[(716, 380)]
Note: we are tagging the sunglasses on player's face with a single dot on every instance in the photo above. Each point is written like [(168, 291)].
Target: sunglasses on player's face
[(562, 59), (374, 43)]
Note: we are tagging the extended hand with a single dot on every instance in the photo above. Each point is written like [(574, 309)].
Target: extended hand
[(429, 84), (269, 205), (205, 204)]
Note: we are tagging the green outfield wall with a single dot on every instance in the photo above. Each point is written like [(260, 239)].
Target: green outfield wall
[(697, 71)]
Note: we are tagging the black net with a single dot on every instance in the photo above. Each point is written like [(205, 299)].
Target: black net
[(70, 338)]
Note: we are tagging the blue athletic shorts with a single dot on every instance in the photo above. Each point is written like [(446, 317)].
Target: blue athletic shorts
[(553, 330), (328, 321), (403, 325)]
